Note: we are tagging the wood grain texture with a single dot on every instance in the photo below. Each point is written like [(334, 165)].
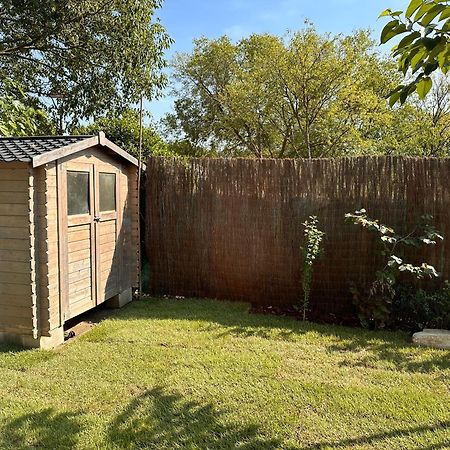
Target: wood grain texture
[(43, 252), (94, 245), (17, 277), (46, 219)]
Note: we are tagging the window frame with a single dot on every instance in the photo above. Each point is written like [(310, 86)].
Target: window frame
[(114, 192), (89, 187)]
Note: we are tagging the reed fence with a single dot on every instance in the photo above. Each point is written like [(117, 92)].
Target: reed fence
[(231, 228)]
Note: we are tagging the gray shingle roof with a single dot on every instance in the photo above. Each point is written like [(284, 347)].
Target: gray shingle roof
[(23, 149)]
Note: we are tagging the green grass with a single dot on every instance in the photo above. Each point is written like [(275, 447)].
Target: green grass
[(201, 374)]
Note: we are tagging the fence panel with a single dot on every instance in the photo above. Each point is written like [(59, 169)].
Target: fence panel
[(231, 228)]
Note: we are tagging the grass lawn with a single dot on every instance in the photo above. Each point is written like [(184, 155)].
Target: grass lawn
[(203, 374)]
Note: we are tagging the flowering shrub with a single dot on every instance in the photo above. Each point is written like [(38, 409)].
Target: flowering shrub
[(374, 301)]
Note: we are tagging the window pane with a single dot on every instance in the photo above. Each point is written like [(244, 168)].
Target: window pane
[(78, 193), (107, 191)]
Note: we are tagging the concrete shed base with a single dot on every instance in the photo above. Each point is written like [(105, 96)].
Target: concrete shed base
[(121, 299), (44, 342), (433, 338)]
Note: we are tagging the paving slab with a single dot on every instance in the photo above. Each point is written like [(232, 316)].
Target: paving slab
[(432, 338)]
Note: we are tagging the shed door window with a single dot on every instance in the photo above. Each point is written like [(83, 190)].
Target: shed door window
[(107, 188), (78, 193)]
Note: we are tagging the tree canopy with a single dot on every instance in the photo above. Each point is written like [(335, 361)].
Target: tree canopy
[(83, 58), (20, 115), (124, 130), (310, 95), (20, 119), (424, 45)]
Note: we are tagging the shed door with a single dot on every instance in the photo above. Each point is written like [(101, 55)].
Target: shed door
[(106, 218), (80, 239), (92, 259)]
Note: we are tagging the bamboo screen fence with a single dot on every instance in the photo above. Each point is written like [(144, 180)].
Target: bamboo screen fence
[(231, 228)]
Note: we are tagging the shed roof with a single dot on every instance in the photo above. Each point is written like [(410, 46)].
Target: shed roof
[(40, 150)]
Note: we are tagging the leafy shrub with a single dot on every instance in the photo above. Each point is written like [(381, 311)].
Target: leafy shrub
[(415, 309), (311, 250), (374, 301)]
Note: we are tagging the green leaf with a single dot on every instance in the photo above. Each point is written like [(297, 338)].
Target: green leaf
[(394, 98), (446, 27), (442, 58), (403, 63), (407, 90), (418, 57), (412, 8), (407, 40), (430, 15), (386, 12), (424, 86), (431, 43), (388, 31), (445, 14), (430, 67), (438, 47), (423, 10), (399, 29)]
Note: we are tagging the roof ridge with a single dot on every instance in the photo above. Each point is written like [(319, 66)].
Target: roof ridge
[(42, 149), (19, 138), (26, 148)]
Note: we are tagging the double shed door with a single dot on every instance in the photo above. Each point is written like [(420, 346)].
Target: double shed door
[(90, 257)]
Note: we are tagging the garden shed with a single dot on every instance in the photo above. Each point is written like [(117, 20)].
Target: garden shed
[(69, 237)]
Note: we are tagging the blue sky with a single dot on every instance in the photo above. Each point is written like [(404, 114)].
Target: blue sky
[(186, 20)]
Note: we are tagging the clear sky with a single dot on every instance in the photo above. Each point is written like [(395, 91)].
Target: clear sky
[(186, 20)]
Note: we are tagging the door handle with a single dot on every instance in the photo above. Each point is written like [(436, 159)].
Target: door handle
[(97, 218)]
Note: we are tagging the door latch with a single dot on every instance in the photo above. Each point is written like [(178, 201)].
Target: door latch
[(97, 218)]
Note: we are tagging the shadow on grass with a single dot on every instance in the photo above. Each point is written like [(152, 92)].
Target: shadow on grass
[(45, 429), (366, 353), (377, 438), (262, 332), (14, 357), (11, 348), (228, 318), (156, 419)]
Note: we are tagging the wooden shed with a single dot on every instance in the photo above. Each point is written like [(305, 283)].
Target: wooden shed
[(68, 233)]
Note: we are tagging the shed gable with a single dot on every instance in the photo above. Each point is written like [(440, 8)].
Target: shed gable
[(40, 150)]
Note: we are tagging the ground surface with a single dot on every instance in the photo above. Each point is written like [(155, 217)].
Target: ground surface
[(197, 374)]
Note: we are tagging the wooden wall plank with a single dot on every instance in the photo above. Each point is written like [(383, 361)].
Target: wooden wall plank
[(15, 244), (46, 216), (13, 186), (19, 198), (13, 233), (16, 280)]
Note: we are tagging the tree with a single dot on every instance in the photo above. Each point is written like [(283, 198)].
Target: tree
[(82, 58), (123, 130), (334, 88), (424, 47), (19, 119), (434, 113), (311, 95), (20, 116)]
